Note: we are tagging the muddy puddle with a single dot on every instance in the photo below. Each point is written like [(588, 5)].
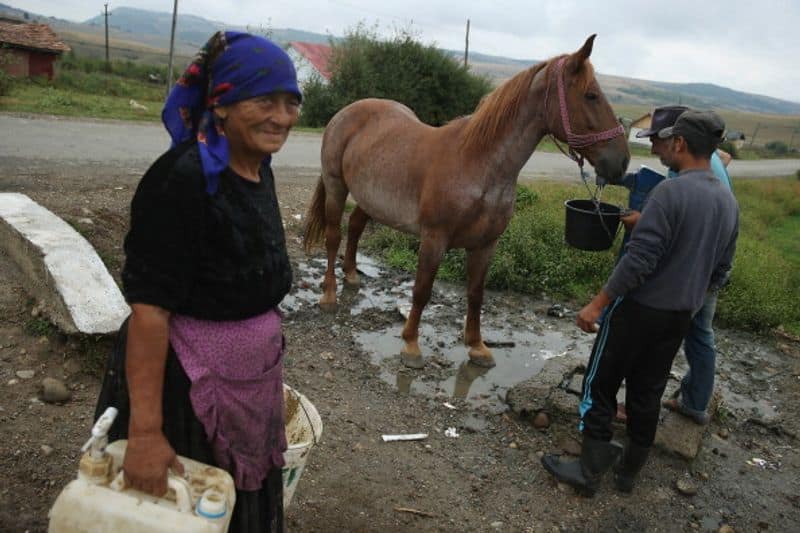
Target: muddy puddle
[(520, 338)]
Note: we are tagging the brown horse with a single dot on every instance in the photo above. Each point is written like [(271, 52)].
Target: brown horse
[(454, 186)]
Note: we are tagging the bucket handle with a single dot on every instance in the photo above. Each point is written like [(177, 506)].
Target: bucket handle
[(178, 484), (308, 417), (596, 195)]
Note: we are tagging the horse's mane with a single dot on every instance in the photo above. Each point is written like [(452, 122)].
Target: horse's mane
[(496, 110)]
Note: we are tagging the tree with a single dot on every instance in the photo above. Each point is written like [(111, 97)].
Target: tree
[(433, 84)]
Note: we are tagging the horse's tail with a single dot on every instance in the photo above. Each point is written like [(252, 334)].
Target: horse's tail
[(314, 232)]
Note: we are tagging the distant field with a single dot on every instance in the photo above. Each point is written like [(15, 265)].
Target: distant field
[(91, 45), (785, 128)]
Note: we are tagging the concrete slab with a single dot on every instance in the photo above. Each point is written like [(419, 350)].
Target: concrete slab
[(63, 270), (547, 390), (679, 435)]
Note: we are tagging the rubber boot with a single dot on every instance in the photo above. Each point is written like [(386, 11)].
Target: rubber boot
[(597, 457), (626, 470)]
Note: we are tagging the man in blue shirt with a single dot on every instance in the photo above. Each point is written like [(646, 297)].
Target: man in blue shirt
[(697, 385)]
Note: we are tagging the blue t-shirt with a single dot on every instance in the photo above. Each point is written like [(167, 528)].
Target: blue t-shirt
[(717, 167), (642, 182)]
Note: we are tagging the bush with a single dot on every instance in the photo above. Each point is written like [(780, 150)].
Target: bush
[(6, 81), (777, 147), (433, 84)]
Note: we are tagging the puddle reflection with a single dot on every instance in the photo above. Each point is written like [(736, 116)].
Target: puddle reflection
[(448, 371)]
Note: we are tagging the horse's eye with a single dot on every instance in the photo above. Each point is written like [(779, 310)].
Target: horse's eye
[(591, 96)]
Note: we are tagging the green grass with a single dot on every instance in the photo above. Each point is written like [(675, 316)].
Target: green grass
[(32, 97), (39, 327), (533, 258)]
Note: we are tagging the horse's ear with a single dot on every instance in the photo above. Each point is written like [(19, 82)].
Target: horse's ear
[(583, 54)]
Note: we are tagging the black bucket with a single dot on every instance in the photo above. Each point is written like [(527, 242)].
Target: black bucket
[(586, 229)]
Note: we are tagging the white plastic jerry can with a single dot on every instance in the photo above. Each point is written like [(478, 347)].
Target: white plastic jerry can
[(200, 501)]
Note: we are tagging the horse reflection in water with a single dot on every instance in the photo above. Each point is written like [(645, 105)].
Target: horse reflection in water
[(466, 375), (454, 186)]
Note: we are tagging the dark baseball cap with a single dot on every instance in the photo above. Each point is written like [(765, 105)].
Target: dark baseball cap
[(663, 117), (693, 124)]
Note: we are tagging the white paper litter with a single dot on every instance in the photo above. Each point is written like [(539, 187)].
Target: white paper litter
[(409, 436)]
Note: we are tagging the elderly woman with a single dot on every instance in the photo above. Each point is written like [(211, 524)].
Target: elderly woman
[(198, 366)]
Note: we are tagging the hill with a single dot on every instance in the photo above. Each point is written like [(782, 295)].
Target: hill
[(143, 35)]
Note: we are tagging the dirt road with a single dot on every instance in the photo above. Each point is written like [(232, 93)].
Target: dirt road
[(135, 145), (487, 479)]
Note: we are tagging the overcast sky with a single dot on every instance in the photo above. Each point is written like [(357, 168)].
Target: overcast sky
[(747, 45)]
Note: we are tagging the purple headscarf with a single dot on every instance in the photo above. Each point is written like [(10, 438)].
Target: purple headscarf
[(231, 66)]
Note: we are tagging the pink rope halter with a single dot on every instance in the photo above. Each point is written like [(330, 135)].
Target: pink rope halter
[(574, 140)]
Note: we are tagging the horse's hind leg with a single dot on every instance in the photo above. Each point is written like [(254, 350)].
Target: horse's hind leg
[(336, 194), (431, 252), (477, 266), (355, 227)]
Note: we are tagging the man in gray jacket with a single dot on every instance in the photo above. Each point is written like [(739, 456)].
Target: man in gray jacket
[(682, 244)]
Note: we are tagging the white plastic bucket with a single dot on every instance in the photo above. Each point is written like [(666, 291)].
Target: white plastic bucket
[(303, 431)]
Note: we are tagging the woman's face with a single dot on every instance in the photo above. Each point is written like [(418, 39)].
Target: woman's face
[(261, 124)]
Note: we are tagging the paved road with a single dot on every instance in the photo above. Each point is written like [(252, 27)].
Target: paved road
[(44, 140)]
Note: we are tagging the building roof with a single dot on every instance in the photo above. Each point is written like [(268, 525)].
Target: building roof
[(642, 122), (33, 36), (317, 54)]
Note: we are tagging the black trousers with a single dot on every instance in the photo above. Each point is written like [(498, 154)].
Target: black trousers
[(636, 343)]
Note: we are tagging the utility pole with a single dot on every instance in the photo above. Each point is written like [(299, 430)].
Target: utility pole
[(753, 138), (172, 45), (466, 47), (108, 62)]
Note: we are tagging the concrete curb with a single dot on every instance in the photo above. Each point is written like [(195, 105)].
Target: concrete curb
[(62, 269)]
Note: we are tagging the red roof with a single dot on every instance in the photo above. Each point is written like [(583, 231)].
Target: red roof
[(35, 36), (317, 54)]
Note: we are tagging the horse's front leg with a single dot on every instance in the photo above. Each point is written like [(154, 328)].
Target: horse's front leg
[(355, 227), (431, 252), (477, 266)]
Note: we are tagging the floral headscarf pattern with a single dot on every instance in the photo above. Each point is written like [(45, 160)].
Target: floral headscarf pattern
[(231, 66)]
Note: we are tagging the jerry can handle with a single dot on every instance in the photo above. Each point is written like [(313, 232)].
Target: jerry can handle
[(179, 485)]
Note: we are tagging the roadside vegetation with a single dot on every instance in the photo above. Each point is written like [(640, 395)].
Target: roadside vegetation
[(432, 83), (85, 87), (533, 258)]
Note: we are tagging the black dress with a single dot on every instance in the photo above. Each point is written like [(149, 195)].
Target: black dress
[(211, 257)]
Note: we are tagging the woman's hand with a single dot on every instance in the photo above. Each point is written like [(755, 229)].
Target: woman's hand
[(149, 454), (147, 458)]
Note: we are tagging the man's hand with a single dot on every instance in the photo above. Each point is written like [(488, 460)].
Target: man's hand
[(147, 458), (587, 317), (630, 219)]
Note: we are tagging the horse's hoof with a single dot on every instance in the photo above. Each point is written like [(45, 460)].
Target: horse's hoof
[(328, 307), (483, 361), (352, 281), (412, 361)]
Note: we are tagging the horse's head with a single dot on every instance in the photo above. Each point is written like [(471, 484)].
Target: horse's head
[(579, 114)]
